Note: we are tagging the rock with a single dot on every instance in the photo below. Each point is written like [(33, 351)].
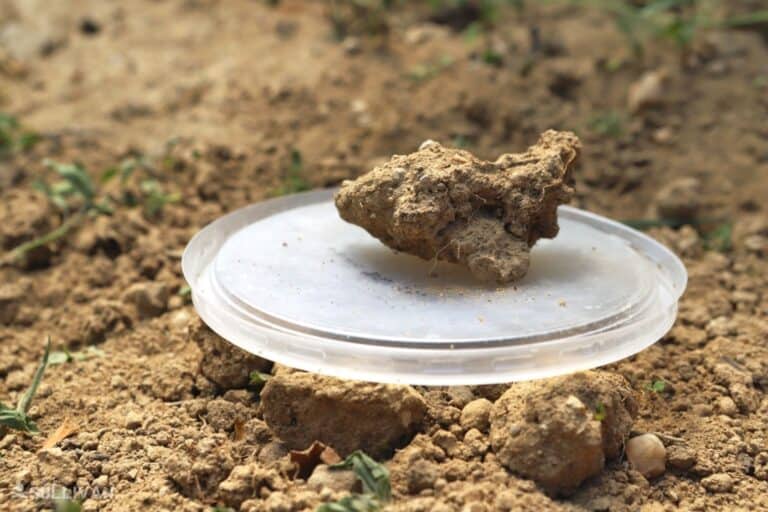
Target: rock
[(421, 475), (228, 366), (647, 91), (440, 203), (549, 430), (476, 414), (681, 457), (133, 420), (339, 480), (301, 408), (647, 455), (180, 319), (11, 298), (221, 414), (727, 406), (246, 481), (679, 200), (717, 483), (150, 298), (756, 244)]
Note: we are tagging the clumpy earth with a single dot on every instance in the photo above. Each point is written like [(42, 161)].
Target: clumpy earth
[(446, 204), (227, 103)]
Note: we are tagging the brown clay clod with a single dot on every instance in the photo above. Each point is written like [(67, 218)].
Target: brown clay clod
[(446, 204)]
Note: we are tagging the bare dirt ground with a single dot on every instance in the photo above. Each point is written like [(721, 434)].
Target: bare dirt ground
[(221, 104)]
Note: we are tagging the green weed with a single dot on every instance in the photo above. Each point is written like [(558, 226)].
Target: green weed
[(377, 489), (79, 198), (352, 503), (294, 178), (257, 380), (16, 418), (656, 386), (609, 124), (65, 356), (599, 414), (13, 138), (68, 506), (429, 70)]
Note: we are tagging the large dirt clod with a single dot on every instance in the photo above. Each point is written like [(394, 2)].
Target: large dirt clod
[(559, 432), (301, 408), (446, 204)]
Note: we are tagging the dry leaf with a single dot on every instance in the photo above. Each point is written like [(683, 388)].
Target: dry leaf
[(307, 460), (66, 429), (239, 430)]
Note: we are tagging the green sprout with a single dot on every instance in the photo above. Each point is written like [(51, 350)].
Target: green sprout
[(66, 356), (608, 124), (656, 386), (69, 506), (74, 191), (429, 70), (257, 380), (352, 503), (78, 198), (294, 180), (13, 138), (16, 418), (377, 489), (599, 412)]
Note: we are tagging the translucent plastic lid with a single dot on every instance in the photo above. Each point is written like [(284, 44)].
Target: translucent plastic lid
[(288, 280)]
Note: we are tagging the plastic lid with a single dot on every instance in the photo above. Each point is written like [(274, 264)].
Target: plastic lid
[(289, 281)]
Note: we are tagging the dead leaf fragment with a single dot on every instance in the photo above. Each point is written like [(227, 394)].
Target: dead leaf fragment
[(66, 429), (307, 460)]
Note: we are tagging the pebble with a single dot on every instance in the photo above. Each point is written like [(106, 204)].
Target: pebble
[(476, 414), (727, 406), (719, 482), (647, 91), (646, 454), (681, 457), (133, 420), (339, 480)]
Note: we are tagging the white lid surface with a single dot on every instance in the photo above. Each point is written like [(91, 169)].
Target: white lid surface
[(290, 281)]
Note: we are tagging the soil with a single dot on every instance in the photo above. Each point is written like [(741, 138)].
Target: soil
[(446, 204), (216, 100)]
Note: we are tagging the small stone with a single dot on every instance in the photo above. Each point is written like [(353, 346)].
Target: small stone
[(681, 457), (247, 481), (339, 480), (727, 406), (351, 45), (476, 414), (421, 475), (150, 298), (647, 91), (133, 420), (703, 410), (180, 319), (679, 200), (11, 296), (647, 455), (757, 244), (101, 481), (717, 483)]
